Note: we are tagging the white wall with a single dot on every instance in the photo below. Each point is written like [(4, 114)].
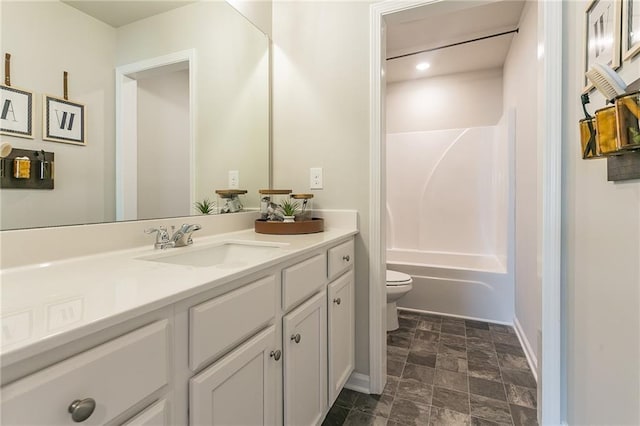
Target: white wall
[(321, 118), (601, 257), (163, 146), (520, 92), (445, 102), (258, 12), (41, 50), (231, 88)]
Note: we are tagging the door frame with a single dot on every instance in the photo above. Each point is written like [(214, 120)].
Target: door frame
[(549, 137), (126, 152)]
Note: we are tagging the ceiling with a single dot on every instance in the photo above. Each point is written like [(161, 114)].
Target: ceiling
[(442, 24), (122, 12)]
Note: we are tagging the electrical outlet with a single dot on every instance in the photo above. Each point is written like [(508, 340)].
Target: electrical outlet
[(234, 179), (315, 178)]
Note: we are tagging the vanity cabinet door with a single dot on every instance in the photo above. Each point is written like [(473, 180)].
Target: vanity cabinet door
[(156, 415), (341, 320), (305, 362), (241, 388)]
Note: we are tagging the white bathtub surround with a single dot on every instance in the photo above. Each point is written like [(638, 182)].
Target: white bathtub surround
[(446, 190), (449, 220)]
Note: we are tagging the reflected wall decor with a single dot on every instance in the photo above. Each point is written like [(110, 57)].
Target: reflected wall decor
[(16, 112), (630, 28), (63, 121), (602, 35)]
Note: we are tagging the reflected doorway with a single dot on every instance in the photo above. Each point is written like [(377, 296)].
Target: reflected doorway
[(154, 138)]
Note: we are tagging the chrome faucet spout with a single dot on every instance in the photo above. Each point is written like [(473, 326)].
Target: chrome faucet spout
[(182, 237)]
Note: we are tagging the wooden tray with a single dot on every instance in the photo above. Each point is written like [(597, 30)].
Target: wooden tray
[(312, 226)]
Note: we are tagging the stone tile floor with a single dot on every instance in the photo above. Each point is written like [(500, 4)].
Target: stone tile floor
[(446, 371)]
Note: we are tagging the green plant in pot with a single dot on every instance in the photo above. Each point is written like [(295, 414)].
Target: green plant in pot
[(205, 206), (289, 209)]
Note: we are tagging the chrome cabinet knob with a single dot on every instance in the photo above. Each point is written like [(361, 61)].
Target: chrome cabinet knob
[(346, 258), (296, 337), (276, 355), (337, 301), (82, 409)]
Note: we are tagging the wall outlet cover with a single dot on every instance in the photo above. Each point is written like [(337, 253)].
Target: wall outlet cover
[(315, 178), (234, 179)]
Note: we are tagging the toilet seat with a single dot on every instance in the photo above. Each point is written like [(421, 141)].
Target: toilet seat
[(395, 278)]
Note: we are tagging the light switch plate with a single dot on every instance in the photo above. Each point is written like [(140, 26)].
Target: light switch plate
[(315, 178)]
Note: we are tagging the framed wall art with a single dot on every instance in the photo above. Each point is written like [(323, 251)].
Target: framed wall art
[(630, 28), (63, 121), (16, 112), (603, 20)]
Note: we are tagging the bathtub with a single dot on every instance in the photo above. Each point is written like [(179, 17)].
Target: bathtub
[(464, 285)]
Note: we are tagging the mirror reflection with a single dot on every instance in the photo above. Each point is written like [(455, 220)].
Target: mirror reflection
[(176, 98)]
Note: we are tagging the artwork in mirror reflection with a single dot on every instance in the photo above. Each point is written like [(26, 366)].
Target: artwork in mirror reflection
[(192, 106)]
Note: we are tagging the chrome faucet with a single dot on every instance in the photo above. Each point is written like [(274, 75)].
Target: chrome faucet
[(162, 237), (182, 237)]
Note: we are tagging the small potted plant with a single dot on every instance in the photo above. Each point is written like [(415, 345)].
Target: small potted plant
[(289, 209), (205, 206)]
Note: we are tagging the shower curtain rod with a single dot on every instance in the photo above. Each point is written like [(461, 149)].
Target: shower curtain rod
[(454, 44)]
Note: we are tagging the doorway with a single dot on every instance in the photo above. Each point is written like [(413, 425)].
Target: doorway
[(549, 130)]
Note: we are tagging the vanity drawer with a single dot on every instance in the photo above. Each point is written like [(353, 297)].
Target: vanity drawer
[(217, 326), (302, 280), (340, 259), (116, 375)]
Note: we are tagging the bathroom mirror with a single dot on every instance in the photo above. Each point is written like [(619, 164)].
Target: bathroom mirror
[(176, 97)]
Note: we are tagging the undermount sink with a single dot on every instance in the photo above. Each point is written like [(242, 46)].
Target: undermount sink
[(223, 255)]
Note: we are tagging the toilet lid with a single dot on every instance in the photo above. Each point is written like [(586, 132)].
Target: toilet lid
[(397, 278)]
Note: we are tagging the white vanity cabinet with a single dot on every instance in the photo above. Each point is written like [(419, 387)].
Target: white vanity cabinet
[(272, 346), (305, 362), (241, 388), (341, 329)]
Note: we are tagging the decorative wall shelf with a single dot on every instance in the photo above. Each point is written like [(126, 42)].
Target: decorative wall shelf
[(623, 167), (41, 170)]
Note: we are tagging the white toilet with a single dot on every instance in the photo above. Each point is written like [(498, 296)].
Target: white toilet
[(398, 284)]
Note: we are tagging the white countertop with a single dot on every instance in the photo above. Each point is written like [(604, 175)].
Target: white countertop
[(46, 305)]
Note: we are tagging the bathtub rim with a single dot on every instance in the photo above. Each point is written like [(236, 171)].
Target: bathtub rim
[(500, 269)]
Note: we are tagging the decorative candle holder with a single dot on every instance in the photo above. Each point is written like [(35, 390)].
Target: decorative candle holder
[(270, 199), (230, 200), (628, 120), (306, 206), (587, 127), (607, 131)]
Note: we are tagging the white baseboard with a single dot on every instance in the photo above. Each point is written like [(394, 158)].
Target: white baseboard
[(358, 382), (528, 351), (420, 311)]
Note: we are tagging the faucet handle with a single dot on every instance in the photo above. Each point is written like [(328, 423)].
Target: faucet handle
[(162, 235), (160, 230)]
